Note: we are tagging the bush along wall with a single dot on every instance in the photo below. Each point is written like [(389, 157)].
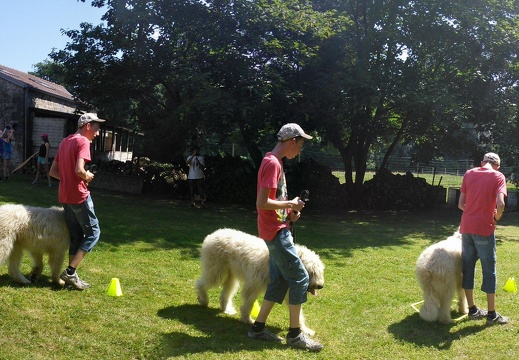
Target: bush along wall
[(228, 179), (233, 180), (387, 191)]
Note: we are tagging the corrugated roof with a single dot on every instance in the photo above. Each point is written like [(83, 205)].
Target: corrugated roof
[(23, 79)]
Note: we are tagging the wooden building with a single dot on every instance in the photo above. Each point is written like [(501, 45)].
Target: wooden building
[(38, 106)]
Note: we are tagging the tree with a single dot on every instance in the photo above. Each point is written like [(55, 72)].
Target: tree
[(427, 73), (367, 76), (201, 69), (50, 71)]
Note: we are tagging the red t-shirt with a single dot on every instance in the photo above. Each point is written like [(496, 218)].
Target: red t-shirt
[(271, 176), (72, 189), (481, 187)]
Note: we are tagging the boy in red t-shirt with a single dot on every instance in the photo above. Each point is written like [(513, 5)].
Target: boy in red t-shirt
[(275, 212), (69, 168), (482, 200)]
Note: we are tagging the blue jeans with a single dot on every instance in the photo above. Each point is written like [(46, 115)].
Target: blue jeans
[(474, 247), (287, 272), (83, 226)]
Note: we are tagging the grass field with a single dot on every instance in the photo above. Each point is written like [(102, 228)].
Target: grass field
[(445, 180), (151, 245)]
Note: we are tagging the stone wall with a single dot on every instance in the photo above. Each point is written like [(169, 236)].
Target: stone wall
[(118, 182), (11, 111), (18, 104)]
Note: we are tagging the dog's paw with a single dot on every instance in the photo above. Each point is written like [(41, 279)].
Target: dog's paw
[(203, 301), (23, 281), (230, 311), (307, 331), (247, 320)]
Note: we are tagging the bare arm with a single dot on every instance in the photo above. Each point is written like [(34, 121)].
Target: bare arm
[(500, 207), (263, 202), (54, 170), (81, 172), (461, 202)]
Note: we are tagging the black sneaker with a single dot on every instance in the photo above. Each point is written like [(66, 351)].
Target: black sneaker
[(497, 320), (479, 314)]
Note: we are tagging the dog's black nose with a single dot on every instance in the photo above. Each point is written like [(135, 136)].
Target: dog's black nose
[(319, 287)]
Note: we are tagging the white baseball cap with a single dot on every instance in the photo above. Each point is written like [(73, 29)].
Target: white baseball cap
[(86, 118), (289, 131)]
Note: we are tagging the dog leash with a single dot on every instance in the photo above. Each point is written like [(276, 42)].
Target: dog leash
[(305, 196)]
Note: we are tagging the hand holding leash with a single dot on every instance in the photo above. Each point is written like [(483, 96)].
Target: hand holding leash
[(303, 197)]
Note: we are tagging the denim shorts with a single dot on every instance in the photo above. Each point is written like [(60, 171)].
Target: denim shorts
[(287, 272), (476, 247), (7, 155), (83, 226), (41, 160)]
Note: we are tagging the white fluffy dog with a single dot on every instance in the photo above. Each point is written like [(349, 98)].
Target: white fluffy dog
[(37, 230), (438, 271), (230, 257)]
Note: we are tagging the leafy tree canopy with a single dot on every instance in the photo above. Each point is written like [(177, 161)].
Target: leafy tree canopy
[(437, 76)]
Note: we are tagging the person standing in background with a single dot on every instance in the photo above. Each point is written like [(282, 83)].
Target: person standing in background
[(43, 159), (196, 177), (7, 139)]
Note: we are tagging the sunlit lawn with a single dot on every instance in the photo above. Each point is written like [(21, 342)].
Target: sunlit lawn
[(151, 245)]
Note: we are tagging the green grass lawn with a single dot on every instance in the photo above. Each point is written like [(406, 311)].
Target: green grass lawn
[(151, 245), (445, 180)]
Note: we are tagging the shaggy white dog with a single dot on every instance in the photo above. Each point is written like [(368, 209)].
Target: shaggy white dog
[(37, 230), (230, 257), (438, 271)]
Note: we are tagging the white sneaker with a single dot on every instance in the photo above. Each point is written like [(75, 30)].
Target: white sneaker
[(74, 281), (302, 342)]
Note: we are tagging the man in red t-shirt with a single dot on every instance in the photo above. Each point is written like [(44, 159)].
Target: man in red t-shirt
[(275, 212), (482, 200), (69, 168)]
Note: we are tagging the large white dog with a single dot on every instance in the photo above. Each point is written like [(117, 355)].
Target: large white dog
[(438, 271), (39, 231), (230, 257)]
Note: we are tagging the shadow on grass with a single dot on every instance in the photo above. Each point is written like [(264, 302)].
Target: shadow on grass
[(173, 224), (44, 282), (424, 334), (219, 333)]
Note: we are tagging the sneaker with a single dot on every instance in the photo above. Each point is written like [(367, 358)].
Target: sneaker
[(74, 281), (479, 314), (264, 335), (34, 182), (498, 320), (302, 342)]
